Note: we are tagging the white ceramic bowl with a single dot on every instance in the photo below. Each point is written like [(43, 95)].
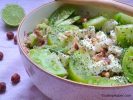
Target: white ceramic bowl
[(58, 88)]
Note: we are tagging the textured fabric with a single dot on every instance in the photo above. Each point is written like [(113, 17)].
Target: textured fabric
[(12, 63)]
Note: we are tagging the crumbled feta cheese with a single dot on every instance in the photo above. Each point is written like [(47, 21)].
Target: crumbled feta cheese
[(114, 65), (101, 36), (113, 35), (90, 31), (97, 67), (121, 79), (87, 43), (115, 50)]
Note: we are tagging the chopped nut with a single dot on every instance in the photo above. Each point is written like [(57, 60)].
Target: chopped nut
[(76, 46), (98, 56), (83, 20), (105, 74), (37, 32)]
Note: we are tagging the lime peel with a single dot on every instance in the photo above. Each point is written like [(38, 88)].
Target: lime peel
[(12, 14)]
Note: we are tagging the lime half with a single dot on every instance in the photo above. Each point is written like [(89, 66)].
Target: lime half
[(12, 14)]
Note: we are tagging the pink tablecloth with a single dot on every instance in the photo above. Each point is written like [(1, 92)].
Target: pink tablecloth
[(12, 62)]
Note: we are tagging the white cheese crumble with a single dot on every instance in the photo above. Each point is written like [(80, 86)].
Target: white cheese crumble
[(113, 35), (87, 43), (114, 65), (115, 50)]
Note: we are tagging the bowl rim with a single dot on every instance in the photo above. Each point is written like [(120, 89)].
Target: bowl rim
[(21, 48)]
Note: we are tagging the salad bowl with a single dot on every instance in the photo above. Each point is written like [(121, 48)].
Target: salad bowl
[(55, 87)]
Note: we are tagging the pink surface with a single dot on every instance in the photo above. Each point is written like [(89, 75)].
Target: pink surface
[(12, 62)]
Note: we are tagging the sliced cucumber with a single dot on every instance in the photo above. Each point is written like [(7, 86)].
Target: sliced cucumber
[(78, 67), (109, 25), (123, 18), (55, 44), (127, 64), (98, 22), (70, 21), (61, 14), (124, 34), (63, 28), (49, 61), (31, 40), (97, 80)]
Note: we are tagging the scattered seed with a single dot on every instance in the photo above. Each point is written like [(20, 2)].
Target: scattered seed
[(15, 78), (1, 55), (10, 35), (2, 87)]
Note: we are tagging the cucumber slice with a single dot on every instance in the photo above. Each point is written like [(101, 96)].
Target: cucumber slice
[(109, 25), (55, 44), (98, 22), (31, 40), (123, 18), (78, 66), (61, 14), (70, 21), (12, 14), (97, 80), (127, 64), (49, 61), (63, 28), (121, 79), (124, 34)]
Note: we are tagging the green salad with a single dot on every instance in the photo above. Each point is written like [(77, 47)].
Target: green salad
[(92, 50)]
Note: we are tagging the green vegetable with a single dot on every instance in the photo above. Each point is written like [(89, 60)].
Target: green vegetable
[(97, 80), (78, 66), (70, 21), (12, 14), (54, 40), (127, 64), (109, 25), (61, 14), (63, 28), (64, 59), (49, 61), (123, 18), (124, 34), (31, 40), (120, 79), (55, 44), (98, 22)]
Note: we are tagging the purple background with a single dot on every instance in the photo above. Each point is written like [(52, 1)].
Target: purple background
[(12, 63)]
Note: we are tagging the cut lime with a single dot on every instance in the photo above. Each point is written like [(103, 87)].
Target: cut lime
[(12, 14)]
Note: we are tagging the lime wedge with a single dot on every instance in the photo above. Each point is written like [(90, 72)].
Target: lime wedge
[(12, 14)]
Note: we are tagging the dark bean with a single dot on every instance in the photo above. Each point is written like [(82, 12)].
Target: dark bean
[(15, 39), (10, 35), (15, 78), (1, 55), (2, 87)]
